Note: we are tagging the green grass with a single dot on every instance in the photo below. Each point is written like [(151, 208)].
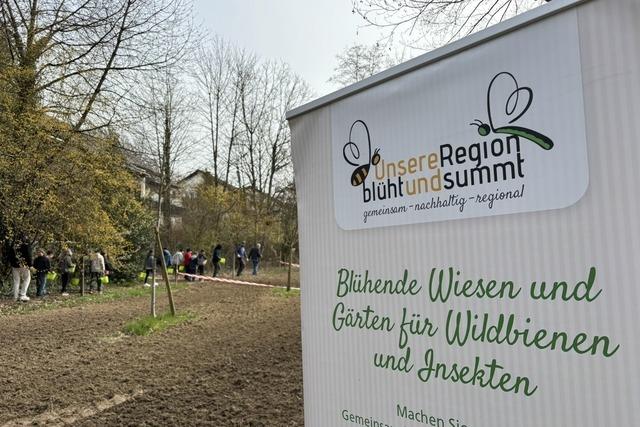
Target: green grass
[(282, 292), (147, 325), (112, 293)]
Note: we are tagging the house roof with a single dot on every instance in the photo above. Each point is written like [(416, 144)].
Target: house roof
[(207, 176)]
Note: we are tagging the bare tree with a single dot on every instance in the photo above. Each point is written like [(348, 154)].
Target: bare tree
[(267, 91), (163, 132), (213, 78), (74, 58), (426, 24), (240, 61), (289, 226), (358, 62), (291, 91), (243, 102), (237, 61), (222, 75), (256, 92)]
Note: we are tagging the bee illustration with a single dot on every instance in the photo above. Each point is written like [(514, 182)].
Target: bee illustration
[(375, 159), (511, 106), (351, 151)]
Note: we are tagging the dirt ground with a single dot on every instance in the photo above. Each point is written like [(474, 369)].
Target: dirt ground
[(238, 363)]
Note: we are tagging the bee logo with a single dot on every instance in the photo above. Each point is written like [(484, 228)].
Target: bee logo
[(511, 110), (351, 154)]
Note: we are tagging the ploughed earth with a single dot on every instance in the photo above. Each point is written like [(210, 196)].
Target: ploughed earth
[(236, 363)]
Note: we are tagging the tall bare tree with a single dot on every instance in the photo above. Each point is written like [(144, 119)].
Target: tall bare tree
[(163, 133), (242, 106), (426, 24), (213, 78), (242, 65), (267, 91), (74, 58), (291, 91), (358, 62)]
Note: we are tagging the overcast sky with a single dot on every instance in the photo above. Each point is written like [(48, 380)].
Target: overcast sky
[(304, 33)]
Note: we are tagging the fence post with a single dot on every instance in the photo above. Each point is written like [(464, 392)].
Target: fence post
[(289, 270)]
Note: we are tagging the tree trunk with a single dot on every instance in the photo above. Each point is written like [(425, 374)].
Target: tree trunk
[(153, 285), (289, 271), (166, 170)]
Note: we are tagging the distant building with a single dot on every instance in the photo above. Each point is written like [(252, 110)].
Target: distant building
[(190, 183), (149, 184)]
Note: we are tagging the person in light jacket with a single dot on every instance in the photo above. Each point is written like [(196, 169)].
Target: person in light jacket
[(202, 262), (18, 256), (178, 258), (97, 271), (167, 257)]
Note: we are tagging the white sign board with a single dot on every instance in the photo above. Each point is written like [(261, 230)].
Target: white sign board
[(516, 307), (490, 131)]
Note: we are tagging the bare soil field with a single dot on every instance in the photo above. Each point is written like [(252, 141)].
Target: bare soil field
[(237, 363)]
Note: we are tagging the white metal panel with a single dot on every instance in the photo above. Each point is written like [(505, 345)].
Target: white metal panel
[(601, 230)]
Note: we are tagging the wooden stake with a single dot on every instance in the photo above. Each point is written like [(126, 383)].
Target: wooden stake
[(82, 278), (165, 274)]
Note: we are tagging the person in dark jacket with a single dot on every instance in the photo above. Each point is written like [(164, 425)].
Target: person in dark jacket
[(217, 257), (166, 253), (149, 265), (254, 255), (192, 268), (67, 268), (187, 262), (42, 264), (241, 257), (108, 267), (18, 256)]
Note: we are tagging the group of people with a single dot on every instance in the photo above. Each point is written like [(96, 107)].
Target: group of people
[(195, 264), (23, 264), (255, 254)]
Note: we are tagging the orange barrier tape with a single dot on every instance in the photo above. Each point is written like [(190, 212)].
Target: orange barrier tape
[(292, 264), (235, 282)]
